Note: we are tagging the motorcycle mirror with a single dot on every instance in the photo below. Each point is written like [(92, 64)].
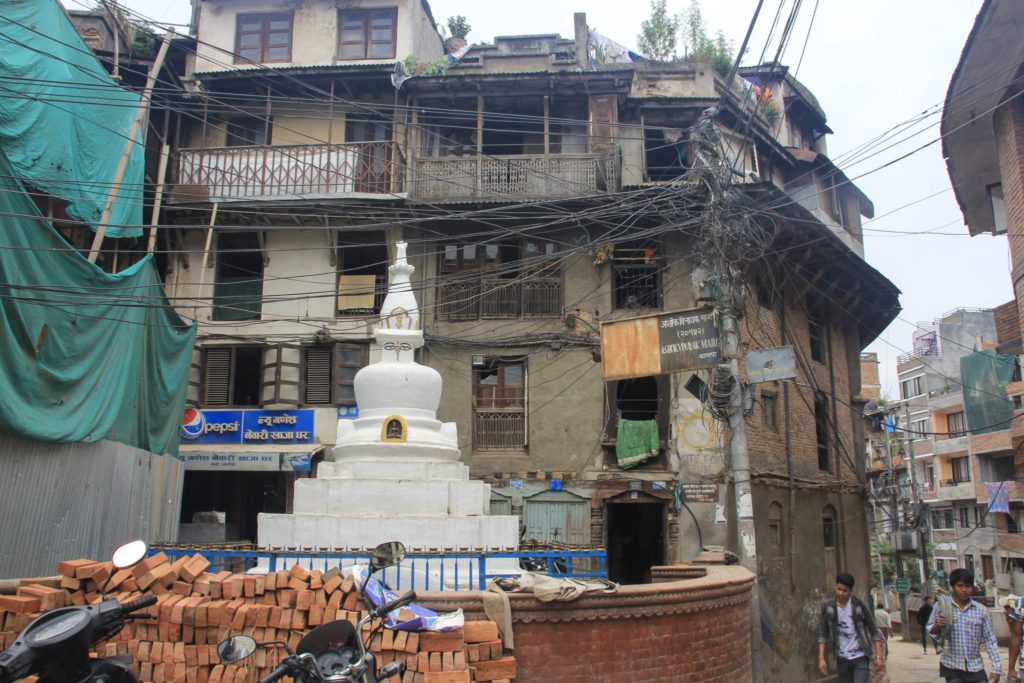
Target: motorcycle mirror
[(387, 555), (129, 554), (236, 648)]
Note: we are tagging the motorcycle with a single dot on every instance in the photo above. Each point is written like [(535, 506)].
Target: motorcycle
[(333, 652), (56, 645)]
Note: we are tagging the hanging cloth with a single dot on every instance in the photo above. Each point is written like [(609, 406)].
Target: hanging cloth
[(636, 441)]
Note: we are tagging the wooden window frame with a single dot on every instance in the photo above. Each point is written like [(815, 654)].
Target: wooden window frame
[(367, 41), (816, 339), (822, 432), (501, 363), (336, 363), (477, 274), (232, 371), (264, 44), (770, 410)]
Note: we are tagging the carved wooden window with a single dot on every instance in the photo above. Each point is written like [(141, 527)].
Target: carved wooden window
[(499, 404), (500, 280)]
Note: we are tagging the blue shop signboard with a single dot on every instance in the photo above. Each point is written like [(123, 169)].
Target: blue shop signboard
[(247, 426)]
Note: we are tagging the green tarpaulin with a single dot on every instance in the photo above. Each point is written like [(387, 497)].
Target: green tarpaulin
[(63, 121), (636, 441), (87, 355), (984, 375)]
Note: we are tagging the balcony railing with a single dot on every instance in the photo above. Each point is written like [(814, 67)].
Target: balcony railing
[(289, 171), (515, 177), (494, 298), (499, 430)]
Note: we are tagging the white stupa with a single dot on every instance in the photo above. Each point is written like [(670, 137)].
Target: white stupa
[(395, 473)]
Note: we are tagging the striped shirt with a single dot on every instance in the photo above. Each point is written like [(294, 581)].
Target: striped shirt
[(971, 628)]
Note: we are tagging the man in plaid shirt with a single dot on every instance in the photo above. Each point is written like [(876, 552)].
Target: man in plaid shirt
[(967, 627)]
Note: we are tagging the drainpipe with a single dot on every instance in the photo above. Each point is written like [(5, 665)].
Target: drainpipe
[(789, 459)]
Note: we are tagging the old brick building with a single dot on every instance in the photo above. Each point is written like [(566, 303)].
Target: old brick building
[(543, 193)]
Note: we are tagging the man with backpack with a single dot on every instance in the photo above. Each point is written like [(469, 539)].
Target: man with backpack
[(961, 626), (847, 631)]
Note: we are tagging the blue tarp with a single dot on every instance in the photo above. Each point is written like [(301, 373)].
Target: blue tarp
[(86, 355), (63, 121)]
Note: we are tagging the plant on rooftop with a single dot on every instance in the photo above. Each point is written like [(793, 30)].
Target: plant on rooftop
[(657, 39), (458, 26), (698, 46)]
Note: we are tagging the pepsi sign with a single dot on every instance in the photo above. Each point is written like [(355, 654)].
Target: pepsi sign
[(246, 426)]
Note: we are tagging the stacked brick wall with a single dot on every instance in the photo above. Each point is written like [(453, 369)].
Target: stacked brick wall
[(1007, 322), (1009, 130), (197, 609), (767, 445)]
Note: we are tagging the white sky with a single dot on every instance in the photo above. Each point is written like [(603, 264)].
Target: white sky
[(871, 64)]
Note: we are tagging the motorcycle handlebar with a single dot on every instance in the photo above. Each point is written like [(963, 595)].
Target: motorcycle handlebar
[(281, 671), (141, 603), (398, 602)]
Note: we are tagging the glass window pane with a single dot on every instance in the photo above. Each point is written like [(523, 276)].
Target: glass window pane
[(249, 40), (281, 25), (351, 51), (346, 394), (250, 54), (350, 356), (469, 252), (276, 54), (381, 50), (347, 374), (250, 25), (513, 375)]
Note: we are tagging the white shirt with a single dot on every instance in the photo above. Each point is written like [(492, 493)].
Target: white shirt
[(882, 619), (847, 645)]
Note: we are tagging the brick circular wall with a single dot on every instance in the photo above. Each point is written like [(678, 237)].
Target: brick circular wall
[(695, 629)]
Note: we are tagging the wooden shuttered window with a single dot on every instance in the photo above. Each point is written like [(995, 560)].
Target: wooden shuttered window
[(329, 372), (217, 364), (231, 375)]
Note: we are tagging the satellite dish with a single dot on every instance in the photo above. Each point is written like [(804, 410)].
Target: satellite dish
[(400, 75)]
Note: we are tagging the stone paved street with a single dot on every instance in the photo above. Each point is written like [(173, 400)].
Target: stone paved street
[(907, 664)]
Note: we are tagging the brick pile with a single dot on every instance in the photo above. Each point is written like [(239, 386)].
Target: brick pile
[(197, 609)]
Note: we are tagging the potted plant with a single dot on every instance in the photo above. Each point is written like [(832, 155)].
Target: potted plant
[(459, 28)]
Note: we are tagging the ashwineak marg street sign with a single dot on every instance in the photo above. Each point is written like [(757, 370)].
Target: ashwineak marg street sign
[(660, 344)]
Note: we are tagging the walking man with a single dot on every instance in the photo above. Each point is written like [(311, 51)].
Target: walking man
[(1014, 608), (962, 626), (923, 614), (847, 631)]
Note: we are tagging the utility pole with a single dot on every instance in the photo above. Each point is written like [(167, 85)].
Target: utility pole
[(922, 550), (897, 526)]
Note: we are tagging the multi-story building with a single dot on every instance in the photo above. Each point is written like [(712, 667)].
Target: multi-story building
[(542, 195), (960, 387)]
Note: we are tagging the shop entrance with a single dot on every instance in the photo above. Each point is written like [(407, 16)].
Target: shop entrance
[(636, 539), (241, 496)]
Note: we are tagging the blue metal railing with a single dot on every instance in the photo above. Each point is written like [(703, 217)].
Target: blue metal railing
[(420, 571)]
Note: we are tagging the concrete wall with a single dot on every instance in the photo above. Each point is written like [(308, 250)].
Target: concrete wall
[(64, 501), (314, 32)]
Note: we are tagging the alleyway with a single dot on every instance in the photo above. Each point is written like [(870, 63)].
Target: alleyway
[(907, 664)]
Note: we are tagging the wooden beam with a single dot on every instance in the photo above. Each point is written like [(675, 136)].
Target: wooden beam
[(122, 163)]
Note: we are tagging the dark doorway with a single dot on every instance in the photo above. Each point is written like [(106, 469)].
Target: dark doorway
[(636, 540), (241, 495)]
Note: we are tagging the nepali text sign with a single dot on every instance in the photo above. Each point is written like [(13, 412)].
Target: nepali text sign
[(660, 344), (247, 426), (249, 462), (689, 340)]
